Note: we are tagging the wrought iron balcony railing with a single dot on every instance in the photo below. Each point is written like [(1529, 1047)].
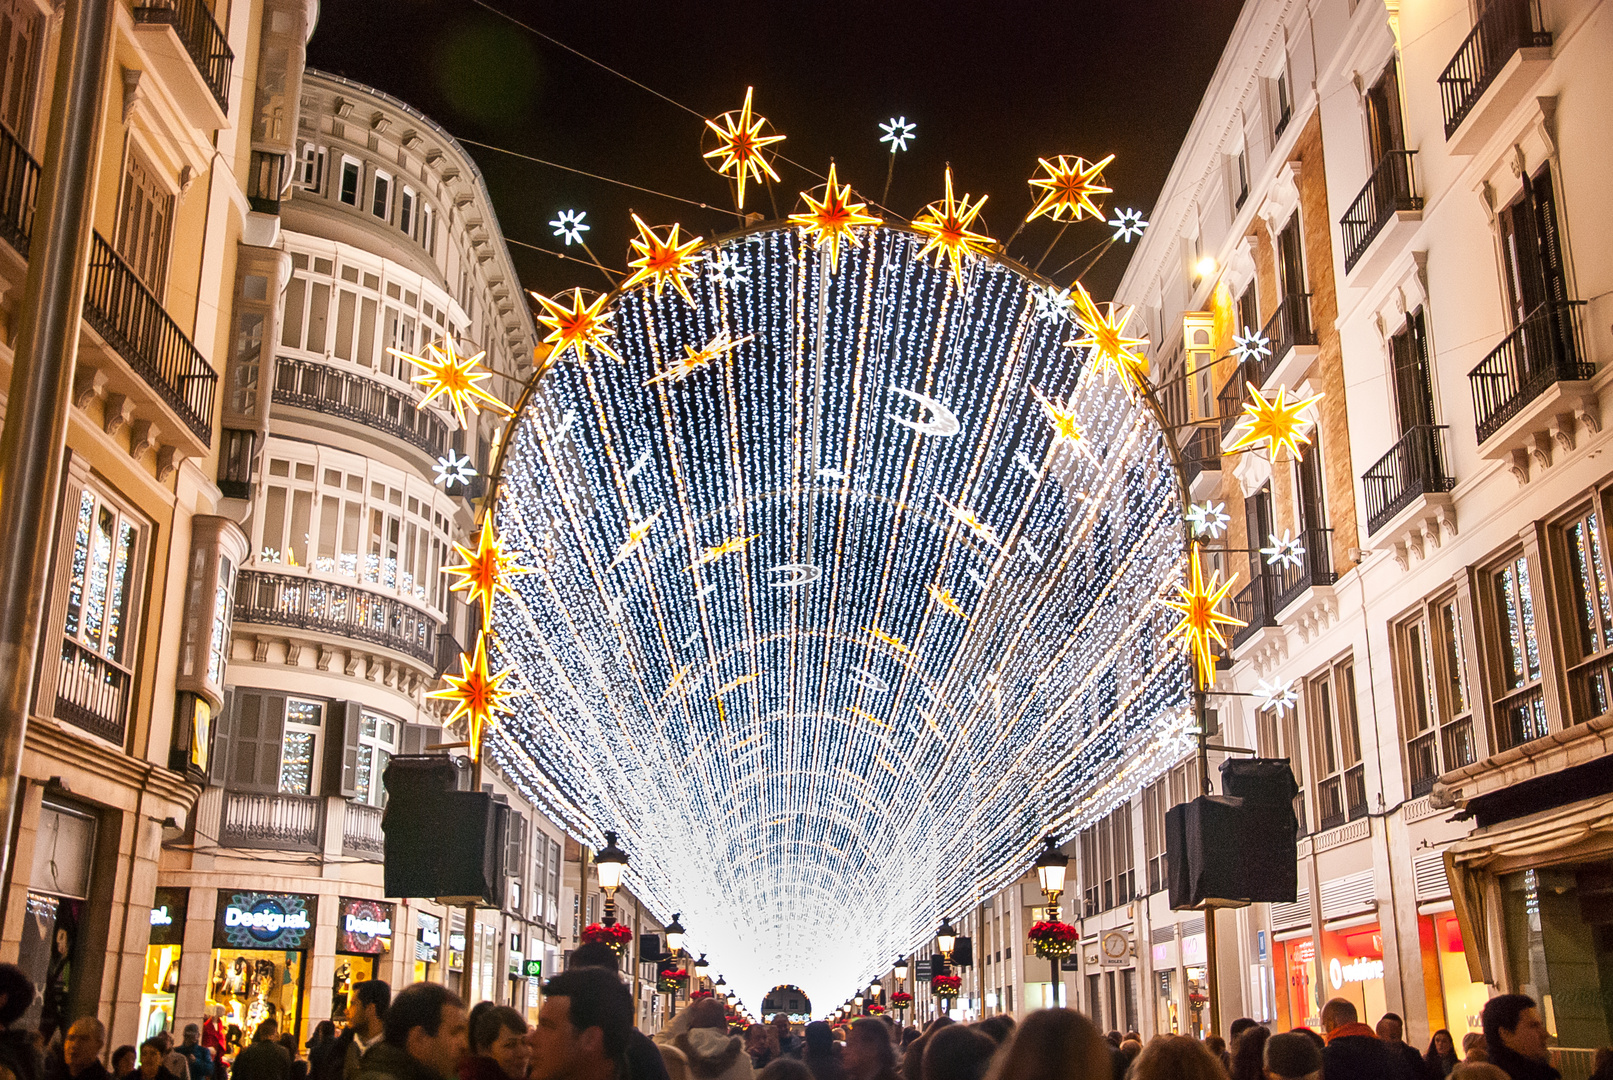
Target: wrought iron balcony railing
[(132, 321), (1315, 567), (19, 188), (1201, 453), (1289, 325), (361, 831), (306, 603), (92, 692), (1256, 606), (277, 822), (1546, 348), (202, 38), (306, 384), (1414, 466), (1502, 28), (1391, 189)]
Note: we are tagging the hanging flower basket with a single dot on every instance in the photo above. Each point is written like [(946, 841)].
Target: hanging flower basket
[(618, 937), (698, 994), (876, 1009), (946, 986), (1053, 939), (669, 983), (901, 1000)]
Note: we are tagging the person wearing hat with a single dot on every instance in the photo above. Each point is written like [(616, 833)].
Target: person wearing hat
[(198, 1058), (1291, 1056)]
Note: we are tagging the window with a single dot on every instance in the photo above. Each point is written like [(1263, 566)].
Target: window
[(303, 721), (406, 211), (377, 742), (1248, 309), (428, 228), (1154, 808), (1582, 582), (1241, 168), (1385, 129), (1310, 498), (103, 589), (1520, 707), (1107, 874), (1277, 736), (1341, 792), (1201, 365), (1283, 103), (144, 222), (381, 197), (20, 25), (311, 167), (348, 193), (1259, 523), (1291, 260), (1436, 708), (1532, 253), (1414, 386)]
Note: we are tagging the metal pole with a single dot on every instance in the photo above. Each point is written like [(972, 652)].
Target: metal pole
[(1214, 987), (467, 980), (35, 435)]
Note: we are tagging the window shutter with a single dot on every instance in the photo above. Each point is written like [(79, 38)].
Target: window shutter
[(515, 848), (255, 741), (341, 749), (219, 757), (415, 738)]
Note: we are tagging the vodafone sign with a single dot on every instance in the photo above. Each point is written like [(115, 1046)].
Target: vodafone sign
[(1356, 971)]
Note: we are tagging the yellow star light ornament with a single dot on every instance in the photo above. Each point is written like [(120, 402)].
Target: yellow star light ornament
[(740, 141), (576, 327), (445, 373), (475, 692), (946, 225), (1275, 423), (1068, 188), (1201, 623), (664, 262), (485, 572), (694, 359), (832, 218), (1061, 419), (1105, 335), (946, 602)]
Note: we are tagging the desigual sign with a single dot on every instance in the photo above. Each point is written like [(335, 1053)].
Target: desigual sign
[(363, 927), (263, 921)]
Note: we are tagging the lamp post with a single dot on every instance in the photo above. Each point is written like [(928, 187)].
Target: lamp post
[(674, 945), (1050, 869), (946, 938), (858, 1002), (899, 969), (610, 862)]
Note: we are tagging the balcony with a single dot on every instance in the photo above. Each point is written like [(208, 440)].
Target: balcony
[(361, 831), (1415, 467), (190, 53), (275, 822), (305, 384), (132, 322), (1254, 605), (303, 603), (1293, 341), (19, 188), (1314, 569), (1390, 195), (1529, 390), (1506, 52), (1342, 798), (1201, 462), (1520, 717), (265, 180), (92, 693), (1230, 401)]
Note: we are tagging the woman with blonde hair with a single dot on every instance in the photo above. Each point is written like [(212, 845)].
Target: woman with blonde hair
[(1177, 1057), (1054, 1044)]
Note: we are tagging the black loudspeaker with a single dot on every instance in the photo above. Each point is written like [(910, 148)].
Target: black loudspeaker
[(649, 948), (938, 966), (963, 953), (1259, 780), (440, 843), (1225, 848)]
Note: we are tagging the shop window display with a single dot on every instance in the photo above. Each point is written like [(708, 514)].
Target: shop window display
[(161, 980), (1297, 992), (363, 937), (1559, 946), (64, 847), (258, 964)]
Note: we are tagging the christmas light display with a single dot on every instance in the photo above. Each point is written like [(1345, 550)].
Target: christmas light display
[(485, 572), (453, 469), (1209, 519), (1282, 696), (582, 325), (1199, 603), (740, 141), (1128, 225), (1275, 422), (897, 132), (1067, 189), (804, 628), (1105, 335), (476, 693), (833, 218), (569, 226), (1285, 550), (945, 224), (445, 373), (662, 260), (1251, 344)]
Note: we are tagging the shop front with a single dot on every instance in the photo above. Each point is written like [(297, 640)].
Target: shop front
[(161, 979), (1352, 965), (1196, 982), (363, 938), (1296, 989), (427, 946), (1458, 1000), (259, 963), (50, 952)]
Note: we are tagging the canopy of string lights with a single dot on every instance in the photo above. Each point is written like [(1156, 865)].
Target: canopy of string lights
[(843, 591)]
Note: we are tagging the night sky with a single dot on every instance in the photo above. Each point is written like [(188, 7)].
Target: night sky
[(991, 86)]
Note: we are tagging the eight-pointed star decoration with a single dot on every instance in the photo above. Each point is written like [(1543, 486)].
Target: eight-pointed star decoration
[(1068, 188), (445, 373), (1285, 550), (740, 142), (1128, 224), (662, 260), (569, 226), (897, 131), (945, 226), (1201, 623), (576, 327), (833, 218), (1105, 335), (1209, 519), (452, 469), (1281, 696), (1251, 344), (485, 572), (476, 693), (1275, 422)]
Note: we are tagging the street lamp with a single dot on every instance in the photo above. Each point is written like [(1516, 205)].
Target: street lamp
[(900, 968), (1050, 869), (875, 987), (610, 862), (858, 1001), (946, 937), (674, 935)]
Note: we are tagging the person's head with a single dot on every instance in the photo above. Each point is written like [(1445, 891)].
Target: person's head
[(268, 1031), (1177, 1057), (959, 1052), (785, 1068), (16, 993), (820, 1038), (500, 1033), (1237, 1028), (1513, 1022), (593, 954), (1473, 1048), (1053, 1044), (427, 1021), (367, 1006), (1338, 1012), (151, 1054), (85, 1040), (324, 1032), (1478, 1070), (289, 1041), (1391, 1028), (1249, 1050), (1130, 1048), (1291, 1056), (124, 1060), (193, 1032), (165, 1039), (1216, 1045), (868, 1049), (707, 1013), (583, 1027), (1442, 1045), (781, 1023), (1114, 1039), (677, 1065), (996, 1028)]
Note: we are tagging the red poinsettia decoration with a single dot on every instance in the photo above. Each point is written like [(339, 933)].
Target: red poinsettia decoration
[(946, 986), (901, 999), (1053, 939), (618, 937), (875, 1009), (698, 994)]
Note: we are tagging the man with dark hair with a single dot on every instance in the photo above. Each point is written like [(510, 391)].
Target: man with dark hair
[(584, 1027), (425, 1034), (81, 1052), (1237, 1028), (367, 1005), (644, 1060), (1516, 1038), (1392, 1031), (18, 1056), (265, 1059), (198, 1058), (1353, 1049)]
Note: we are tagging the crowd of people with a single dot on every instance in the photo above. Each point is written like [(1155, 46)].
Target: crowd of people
[(585, 1031)]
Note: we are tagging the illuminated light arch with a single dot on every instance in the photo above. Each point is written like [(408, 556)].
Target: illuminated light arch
[(802, 841)]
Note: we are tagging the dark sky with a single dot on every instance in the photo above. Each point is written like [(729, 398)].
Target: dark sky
[(991, 86)]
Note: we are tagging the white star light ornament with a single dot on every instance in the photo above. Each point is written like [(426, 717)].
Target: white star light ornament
[(452, 469), (897, 132), (724, 270), (569, 226), (1209, 519), (1251, 344), (1054, 304), (1281, 696), (1287, 550), (1128, 225)]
